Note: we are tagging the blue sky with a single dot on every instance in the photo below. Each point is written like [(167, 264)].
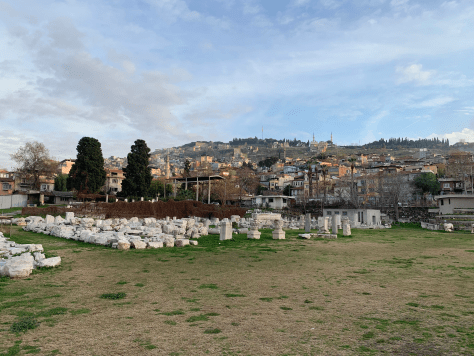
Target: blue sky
[(175, 71)]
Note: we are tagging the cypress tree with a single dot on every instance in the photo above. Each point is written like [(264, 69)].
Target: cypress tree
[(137, 173), (87, 174)]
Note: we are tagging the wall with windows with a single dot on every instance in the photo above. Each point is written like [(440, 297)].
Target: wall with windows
[(356, 216)]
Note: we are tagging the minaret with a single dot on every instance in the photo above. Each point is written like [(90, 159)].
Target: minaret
[(313, 136), (331, 137), (168, 166)]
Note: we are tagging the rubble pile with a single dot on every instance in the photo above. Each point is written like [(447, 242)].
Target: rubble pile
[(19, 260), (122, 233)]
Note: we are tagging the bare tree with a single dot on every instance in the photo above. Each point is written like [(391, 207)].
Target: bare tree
[(354, 198), (247, 181), (397, 188), (34, 162)]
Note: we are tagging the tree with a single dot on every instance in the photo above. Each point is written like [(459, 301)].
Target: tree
[(287, 190), (137, 173), (157, 188), (397, 188), (34, 162), (428, 183), (187, 168), (87, 174), (60, 182), (268, 162), (247, 181)]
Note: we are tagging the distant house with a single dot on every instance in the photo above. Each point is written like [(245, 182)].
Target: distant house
[(113, 183), (7, 183), (272, 201), (62, 197), (65, 166), (451, 185)]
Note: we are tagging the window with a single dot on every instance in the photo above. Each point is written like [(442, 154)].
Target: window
[(114, 181), (6, 186), (284, 200), (441, 201), (449, 201), (329, 213), (336, 213), (344, 213), (44, 187), (446, 185), (270, 200)]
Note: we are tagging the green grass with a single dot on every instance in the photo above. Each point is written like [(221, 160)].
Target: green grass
[(231, 295), (80, 311), (24, 324), (212, 331), (113, 296), (174, 312), (51, 312), (208, 286)]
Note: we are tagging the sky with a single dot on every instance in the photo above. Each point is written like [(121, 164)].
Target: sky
[(175, 71)]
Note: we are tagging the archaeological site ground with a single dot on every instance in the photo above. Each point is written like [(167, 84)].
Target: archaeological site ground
[(398, 291)]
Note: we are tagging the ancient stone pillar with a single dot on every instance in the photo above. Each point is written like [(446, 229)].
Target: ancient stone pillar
[(346, 227), (334, 225), (253, 232), (307, 223), (226, 230), (278, 233)]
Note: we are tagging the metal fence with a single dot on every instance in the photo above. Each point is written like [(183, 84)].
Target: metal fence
[(11, 201)]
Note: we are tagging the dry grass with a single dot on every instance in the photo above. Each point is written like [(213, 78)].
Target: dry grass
[(402, 291)]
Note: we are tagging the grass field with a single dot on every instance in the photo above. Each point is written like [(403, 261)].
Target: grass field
[(402, 291)]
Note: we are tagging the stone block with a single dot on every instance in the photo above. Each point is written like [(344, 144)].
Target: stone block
[(19, 266), (123, 245), (181, 242), (49, 262), (155, 244), (253, 235), (278, 235)]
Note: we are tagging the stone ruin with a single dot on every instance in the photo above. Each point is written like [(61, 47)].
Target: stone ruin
[(122, 233), (144, 233), (19, 260)]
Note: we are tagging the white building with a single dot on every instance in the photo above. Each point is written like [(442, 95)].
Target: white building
[(447, 203), (272, 201)]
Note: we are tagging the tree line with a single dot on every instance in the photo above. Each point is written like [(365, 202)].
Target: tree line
[(393, 143)]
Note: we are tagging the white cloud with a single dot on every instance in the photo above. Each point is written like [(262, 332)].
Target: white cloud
[(413, 73), (398, 2), (331, 4), (297, 3), (435, 102), (453, 137), (174, 10)]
